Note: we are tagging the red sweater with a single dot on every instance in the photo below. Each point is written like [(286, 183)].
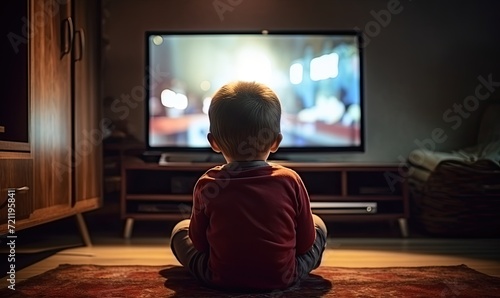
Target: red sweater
[(252, 222)]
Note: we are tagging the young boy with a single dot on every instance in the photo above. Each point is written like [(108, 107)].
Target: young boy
[(251, 226)]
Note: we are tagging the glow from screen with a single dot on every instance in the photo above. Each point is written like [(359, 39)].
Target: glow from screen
[(316, 76)]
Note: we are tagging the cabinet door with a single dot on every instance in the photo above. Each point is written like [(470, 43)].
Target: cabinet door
[(50, 64), (87, 131)]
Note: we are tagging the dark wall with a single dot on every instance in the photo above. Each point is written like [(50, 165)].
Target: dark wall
[(423, 60)]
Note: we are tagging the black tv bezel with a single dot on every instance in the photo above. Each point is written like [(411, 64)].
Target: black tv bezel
[(289, 150)]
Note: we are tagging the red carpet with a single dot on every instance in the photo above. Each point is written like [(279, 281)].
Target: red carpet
[(174, 281)]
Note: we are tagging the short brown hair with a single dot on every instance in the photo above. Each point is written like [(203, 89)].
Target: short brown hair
[(244, 118)]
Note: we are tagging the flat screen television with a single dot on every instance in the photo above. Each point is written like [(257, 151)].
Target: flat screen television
[(318, 76)]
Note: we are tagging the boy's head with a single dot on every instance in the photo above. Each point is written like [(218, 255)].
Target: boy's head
[(245, 121)]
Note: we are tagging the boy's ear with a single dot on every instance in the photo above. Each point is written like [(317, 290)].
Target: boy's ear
[(276, 144), (213, 143)]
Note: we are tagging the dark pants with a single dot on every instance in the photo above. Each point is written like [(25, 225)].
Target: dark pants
[(197, 262)]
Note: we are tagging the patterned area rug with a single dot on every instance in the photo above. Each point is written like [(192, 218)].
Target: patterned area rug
[(174, 281)]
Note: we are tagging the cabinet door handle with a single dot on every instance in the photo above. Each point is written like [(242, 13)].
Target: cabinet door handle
[(80, 37), (67, 36)]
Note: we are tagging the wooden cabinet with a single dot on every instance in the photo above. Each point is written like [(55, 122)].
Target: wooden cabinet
[(338, 192), (62, 165)]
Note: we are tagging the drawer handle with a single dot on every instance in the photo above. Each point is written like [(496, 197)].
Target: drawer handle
[(20, 189), (24, 188)]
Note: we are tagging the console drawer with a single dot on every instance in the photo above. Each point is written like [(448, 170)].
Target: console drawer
[(16, 174)]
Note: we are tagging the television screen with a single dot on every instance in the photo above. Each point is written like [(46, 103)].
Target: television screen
[(316, 75)]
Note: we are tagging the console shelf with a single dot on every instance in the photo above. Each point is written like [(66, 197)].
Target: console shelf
[(338, 191)]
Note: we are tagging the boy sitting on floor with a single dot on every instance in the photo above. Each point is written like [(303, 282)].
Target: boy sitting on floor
[(251, 226)]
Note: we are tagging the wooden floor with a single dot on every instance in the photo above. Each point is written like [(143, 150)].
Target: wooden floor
[(54, 244)]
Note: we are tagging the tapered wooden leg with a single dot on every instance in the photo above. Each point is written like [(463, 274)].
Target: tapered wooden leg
[(129, 225), (84, 232), (403, 226)]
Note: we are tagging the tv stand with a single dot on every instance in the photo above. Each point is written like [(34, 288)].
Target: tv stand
[(338, 191)]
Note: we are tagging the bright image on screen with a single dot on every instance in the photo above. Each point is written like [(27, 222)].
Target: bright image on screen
[(316, 77)]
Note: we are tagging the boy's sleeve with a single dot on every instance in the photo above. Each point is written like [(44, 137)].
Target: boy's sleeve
[(306, 233), (199, 220)]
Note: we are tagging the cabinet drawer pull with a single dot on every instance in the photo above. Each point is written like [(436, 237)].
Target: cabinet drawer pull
[(17, 189), (20, 189)]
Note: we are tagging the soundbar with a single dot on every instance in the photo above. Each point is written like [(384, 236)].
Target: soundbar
[(344, 207), (173, 158), (317, 207)]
